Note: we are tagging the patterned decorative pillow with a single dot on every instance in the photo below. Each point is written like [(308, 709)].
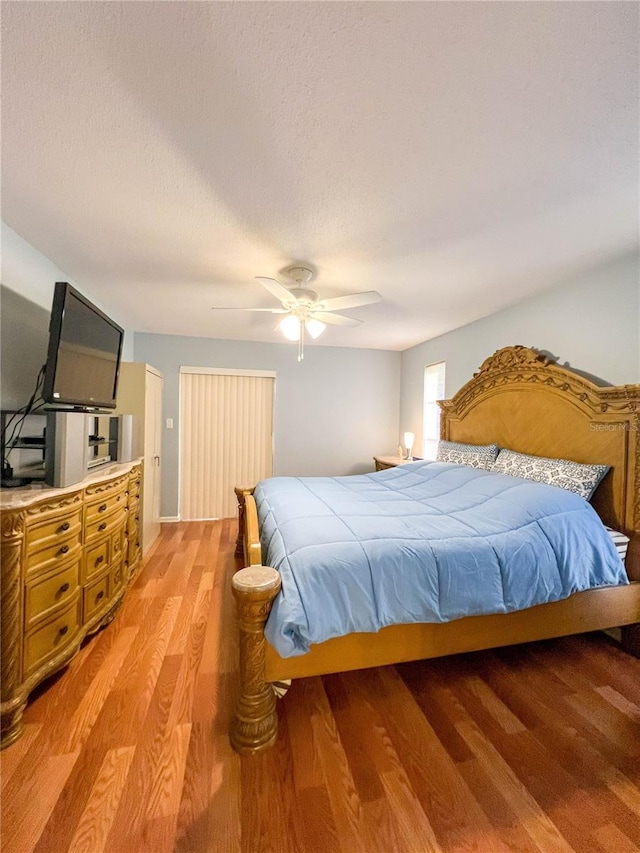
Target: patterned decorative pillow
[(573, 476), (474, 455)]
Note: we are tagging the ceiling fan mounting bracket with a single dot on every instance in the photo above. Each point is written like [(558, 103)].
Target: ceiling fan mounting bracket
[(301, 275)]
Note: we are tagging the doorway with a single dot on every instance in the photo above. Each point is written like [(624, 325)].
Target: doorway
[(226, 437)]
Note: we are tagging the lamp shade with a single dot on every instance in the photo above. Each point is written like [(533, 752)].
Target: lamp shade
[(290, 327), (409, 438), (315, 327)]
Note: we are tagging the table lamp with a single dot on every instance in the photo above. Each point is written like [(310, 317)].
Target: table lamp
[(409, 438)]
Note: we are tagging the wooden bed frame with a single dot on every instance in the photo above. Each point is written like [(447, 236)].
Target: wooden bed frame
[(519, 399)]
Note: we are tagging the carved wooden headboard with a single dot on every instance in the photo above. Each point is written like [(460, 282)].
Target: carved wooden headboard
[(522, 400)]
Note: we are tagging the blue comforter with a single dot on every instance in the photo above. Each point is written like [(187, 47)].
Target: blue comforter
[(423, 542)]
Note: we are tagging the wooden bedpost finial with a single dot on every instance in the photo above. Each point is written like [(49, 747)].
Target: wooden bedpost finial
[(255, 723)]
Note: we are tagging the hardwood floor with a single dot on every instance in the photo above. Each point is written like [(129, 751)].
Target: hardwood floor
[(531, 748)]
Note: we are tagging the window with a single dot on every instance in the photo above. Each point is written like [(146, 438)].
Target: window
[(433, 391)]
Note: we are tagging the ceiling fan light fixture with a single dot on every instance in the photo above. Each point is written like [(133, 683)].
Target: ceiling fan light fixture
[(290, 327), (302, 309), (315, 327)]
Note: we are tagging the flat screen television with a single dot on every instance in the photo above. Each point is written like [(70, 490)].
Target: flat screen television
[(83, 360)]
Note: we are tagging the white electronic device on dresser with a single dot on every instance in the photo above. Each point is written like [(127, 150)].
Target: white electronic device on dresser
[(77, 442), (140, 394)]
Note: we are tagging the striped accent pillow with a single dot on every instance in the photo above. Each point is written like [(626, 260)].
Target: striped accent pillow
[(620, 541)]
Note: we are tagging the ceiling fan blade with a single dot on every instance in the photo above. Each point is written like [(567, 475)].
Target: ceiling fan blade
[(267, 310), (353, 300), (276, 289), (335, 319)]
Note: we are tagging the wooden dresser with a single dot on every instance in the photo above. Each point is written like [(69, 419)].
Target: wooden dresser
[(67, 557)]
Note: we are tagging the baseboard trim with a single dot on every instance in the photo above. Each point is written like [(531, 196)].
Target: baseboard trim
[(169, 519)]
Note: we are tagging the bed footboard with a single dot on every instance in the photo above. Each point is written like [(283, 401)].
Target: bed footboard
[(255, 723), (248, 541), (241, 497)]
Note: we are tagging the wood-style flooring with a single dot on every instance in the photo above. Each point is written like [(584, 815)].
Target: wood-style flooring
[(531, 748)]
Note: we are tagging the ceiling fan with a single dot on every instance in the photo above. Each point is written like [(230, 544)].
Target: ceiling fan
[(304, 311)]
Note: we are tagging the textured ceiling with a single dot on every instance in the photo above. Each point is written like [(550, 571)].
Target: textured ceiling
[(455, 156)]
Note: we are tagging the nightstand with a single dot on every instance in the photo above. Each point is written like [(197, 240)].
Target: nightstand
[(383, 462)]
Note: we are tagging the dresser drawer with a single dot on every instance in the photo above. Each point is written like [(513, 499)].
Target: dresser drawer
[(52, 591), (106, 503), (50, 558), (97, 558), (118, 577), (133, 552), (64, 530), (133, 516), (105, 525), (95, 597), (134, 487), (51, 638), (118, 543)]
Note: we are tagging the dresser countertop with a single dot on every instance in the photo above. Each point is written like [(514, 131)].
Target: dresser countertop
[(12, 499)]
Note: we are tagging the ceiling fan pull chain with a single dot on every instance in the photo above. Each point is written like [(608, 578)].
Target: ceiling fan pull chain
[(301, 342)]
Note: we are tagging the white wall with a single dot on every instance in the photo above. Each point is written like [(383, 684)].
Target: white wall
[(24, 336), (28, 272), (591, 323), (334, 411)]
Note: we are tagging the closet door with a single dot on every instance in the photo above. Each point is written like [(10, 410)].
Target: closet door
[(226, 437), (140, 395)]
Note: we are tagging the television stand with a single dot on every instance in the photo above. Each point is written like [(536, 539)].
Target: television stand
[(68, 556)]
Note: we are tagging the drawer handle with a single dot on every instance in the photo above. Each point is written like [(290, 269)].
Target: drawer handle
[(64, 549), (99, 559), (63, 630), (119, 496), (102, 507), (63, 588), (64, 527), (100, 595), (103, 526)]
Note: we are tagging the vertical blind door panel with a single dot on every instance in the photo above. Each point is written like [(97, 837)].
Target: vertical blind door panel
[(226, 425)]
